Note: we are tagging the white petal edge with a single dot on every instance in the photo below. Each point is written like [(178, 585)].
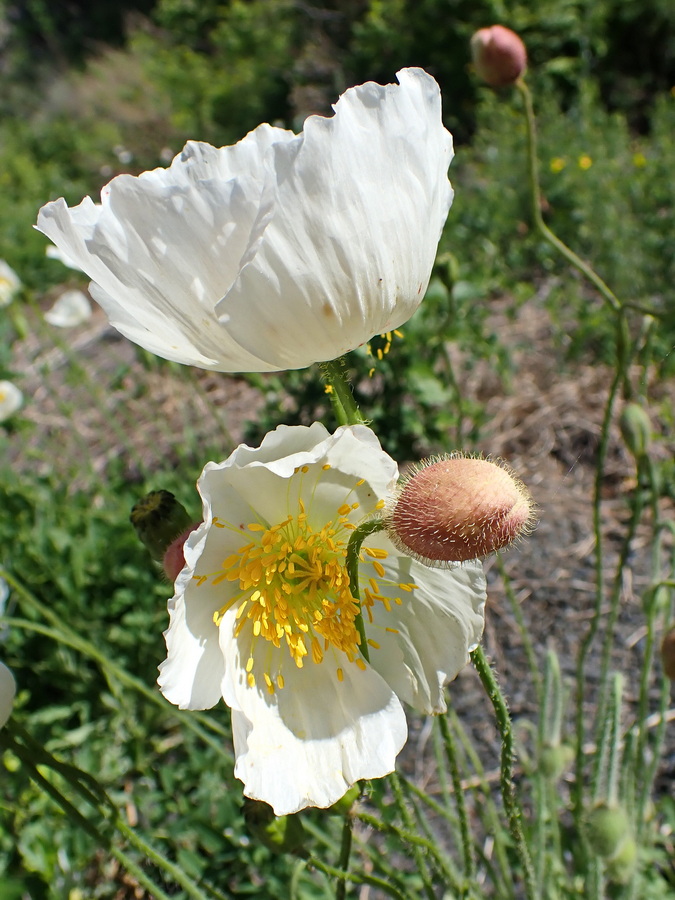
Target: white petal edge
[(307, 744), (436, 626)]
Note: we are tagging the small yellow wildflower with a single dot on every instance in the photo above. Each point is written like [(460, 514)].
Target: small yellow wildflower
[(639, 160), (585, 162), (557, 164)]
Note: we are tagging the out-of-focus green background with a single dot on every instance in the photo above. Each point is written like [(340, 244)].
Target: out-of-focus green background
[(92, 90)]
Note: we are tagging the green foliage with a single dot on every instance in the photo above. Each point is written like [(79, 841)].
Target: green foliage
[(212, 71)]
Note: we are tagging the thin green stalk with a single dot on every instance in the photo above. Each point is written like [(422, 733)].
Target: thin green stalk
[(587, 640), (465, 830), (196, 722), (406, 835), (358, 877), (85, 824), (345, 851), (492, 819), (33, 754), (449, 868), (356, 540), (346, 410), (535, 194), (406, 818), (615, 604), (523, 630), (436, 807), (508, 789)]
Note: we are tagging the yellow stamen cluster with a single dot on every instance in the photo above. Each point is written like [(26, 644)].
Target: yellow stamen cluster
[(293, 590)]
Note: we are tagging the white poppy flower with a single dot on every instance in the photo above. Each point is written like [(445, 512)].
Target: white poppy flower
[(70, 310), (263, 616), (7, 694), (10, 283), (282, 250), (11, 399)]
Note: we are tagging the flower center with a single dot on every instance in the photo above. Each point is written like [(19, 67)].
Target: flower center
[(294, 586), (292, 590)]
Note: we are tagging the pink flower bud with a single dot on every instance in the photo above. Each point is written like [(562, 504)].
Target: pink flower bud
[(174, 558), (458, 508), (499, 55)]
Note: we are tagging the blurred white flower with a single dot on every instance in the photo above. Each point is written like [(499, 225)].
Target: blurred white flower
[(263, 616), (10, 283), (11, 399), (282, 250), (53, 252), (7, 694), (70, 310)]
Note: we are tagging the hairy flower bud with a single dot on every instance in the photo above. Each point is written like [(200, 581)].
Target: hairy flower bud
[(499, 55), (458, 508), (158, 519)]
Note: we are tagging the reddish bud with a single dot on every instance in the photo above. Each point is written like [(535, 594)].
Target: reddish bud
[(499, 56), (174, 558), (458, 508)]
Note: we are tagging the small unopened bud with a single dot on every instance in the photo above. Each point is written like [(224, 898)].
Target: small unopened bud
[(458, 508), (174, 558), (554, 760), (158, 519), (636, 429), (621, 866), (668, 654), (607, 827), (499, 55)]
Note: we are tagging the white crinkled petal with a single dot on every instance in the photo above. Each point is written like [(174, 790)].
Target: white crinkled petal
[(7, 694), (309, 742), (361, 203), (190, 675), (281, 250), (250, 483), (436, 626), (163, 248)]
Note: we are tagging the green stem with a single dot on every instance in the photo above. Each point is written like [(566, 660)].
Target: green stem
[(535, 193), (508, 789), (465, 831), (345, 851), (578, 787), (406, 818), (356, 540), (359, 877), (346, 410), (523, 630)]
